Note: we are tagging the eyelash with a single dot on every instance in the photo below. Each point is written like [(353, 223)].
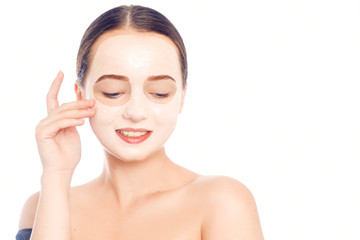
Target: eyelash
[(117, 95), (161, 95), (112, 95)]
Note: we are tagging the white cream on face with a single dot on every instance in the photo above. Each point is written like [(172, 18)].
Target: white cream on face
[(138, 57)]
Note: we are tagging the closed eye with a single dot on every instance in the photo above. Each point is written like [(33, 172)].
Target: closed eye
[(160, 95), (112, 95)]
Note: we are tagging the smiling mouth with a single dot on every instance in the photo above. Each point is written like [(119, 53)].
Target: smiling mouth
[(133, 136)]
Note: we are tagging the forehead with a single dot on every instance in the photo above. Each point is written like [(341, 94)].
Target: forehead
[(134, 54)]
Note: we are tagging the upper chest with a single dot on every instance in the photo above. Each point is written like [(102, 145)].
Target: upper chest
[(176, 216)]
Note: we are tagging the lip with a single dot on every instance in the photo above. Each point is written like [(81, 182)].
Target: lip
[(134, 140)]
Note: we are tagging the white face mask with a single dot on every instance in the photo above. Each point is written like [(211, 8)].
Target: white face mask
[(135, 79)]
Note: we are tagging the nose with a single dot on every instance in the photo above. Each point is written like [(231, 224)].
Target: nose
[(135, 109)]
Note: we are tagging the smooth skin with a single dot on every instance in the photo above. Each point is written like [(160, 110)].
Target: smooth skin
[(149, 199)]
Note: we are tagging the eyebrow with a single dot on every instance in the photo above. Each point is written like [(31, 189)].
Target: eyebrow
[(160, 77), (125, 78), (113, 76)]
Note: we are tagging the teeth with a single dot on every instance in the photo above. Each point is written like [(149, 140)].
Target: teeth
[(132, 134)]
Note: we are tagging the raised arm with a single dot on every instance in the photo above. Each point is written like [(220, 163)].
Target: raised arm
[(59, 149)]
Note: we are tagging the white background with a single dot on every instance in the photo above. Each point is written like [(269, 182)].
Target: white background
[(273, 101)]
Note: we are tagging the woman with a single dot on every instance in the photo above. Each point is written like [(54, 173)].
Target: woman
[(131, 85)]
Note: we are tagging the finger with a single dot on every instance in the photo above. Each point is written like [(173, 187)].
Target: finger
[(82, 113), (51, 130), (52, 96), (76, 105)]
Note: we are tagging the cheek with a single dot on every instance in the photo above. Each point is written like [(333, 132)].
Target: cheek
[(105, 115), (166, 114)]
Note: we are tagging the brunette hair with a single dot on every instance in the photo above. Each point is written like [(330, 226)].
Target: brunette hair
[(138, 18)]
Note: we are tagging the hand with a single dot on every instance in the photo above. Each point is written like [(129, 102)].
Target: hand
[(56, 136)]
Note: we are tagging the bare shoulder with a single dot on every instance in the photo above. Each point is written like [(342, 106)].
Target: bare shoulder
[(29, 211), (230, 210), (221, 188)]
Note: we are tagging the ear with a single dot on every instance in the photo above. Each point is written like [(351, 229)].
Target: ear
[(78, 92), (183, 99)]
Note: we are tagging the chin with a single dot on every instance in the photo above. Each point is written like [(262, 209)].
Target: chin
[(133, 154)]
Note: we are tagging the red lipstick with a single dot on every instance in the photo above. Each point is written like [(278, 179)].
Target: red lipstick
[(133, 135)]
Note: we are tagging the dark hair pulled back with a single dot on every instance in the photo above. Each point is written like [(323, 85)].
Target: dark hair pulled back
[(138, 18)]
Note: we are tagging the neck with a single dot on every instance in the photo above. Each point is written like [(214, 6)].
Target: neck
[(129, 181)]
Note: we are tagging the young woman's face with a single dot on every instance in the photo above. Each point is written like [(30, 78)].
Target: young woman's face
[(136, 81)]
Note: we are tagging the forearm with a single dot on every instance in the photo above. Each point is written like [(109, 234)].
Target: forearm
[(52, 219)]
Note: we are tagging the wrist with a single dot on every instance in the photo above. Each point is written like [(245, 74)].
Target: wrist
[(56, 178)]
